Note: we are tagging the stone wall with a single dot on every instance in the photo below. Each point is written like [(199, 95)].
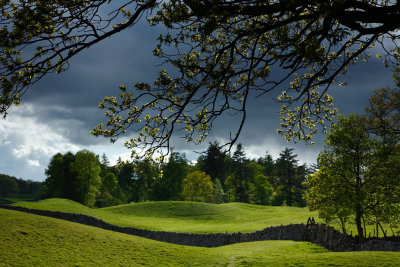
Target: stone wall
[(320, 234)]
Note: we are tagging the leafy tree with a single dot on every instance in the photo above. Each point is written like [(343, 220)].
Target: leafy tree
[(145, 174), (357, 177), (197, 186), (384, 113), (261, 190), (278, 196), (108, 191), (29, 187), (61, 180), (326, 190), (230, 50), (126, 181), (87, 167), (219, 194), (169, 187), (8, 185)]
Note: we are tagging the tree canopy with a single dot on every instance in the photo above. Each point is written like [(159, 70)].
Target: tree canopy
[(221, 52), (358, 176)]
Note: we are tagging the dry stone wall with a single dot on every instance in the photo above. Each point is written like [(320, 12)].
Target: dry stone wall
[(320, 234)]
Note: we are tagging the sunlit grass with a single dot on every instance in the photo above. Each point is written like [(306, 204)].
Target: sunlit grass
[(31, 240), (192, 217)]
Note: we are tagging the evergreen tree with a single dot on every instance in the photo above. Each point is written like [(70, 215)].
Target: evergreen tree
[(287, 175), (238, 179), (268, 164), (214, 164)]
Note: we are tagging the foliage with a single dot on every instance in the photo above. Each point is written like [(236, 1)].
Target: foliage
[(8, 185), (173, 173), (146, 174), (223, 53), (214, 162), (290, 178), (359, 177), (384, 112), (197, 186), (108, 191), (87, 167), (326, 195), (239, 181), (229, 51), (29, 187), (60, 178), (76, 177), (256, 181), (218, 194), (261, 190), (125, 176)]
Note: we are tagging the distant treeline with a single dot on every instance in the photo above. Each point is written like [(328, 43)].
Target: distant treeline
[(11, 185), (217, 177)]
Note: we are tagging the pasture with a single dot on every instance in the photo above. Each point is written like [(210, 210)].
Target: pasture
[(31, 240), (191, 217)]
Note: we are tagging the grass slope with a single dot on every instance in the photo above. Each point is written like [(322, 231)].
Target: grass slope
[(191, 217), (31, 240)]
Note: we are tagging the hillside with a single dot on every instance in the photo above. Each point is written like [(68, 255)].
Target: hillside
[(31, 240), (191, 217)]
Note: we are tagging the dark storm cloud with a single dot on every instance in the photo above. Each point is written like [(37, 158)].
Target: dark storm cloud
[(263, 113), (69, 101), (97, 71)]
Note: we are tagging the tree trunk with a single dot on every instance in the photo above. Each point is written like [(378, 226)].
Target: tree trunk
[(289, 200), (360, 230)]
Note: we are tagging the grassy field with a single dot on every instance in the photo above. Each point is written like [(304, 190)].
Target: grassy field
[(190, 217), (31, 240)]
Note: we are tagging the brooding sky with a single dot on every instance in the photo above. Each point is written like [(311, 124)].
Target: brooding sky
[(57, 113)]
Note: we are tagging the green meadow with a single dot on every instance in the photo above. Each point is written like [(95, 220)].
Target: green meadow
[(181, 216), (32, 240), (190, 217)]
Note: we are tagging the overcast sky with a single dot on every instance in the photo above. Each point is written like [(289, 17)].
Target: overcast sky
[(58, 112)]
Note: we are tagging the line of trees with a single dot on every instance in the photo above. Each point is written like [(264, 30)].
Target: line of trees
[(218, 177), (11, 185), (356, 178)]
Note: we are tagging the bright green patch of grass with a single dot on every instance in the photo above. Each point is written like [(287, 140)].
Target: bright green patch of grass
[(31, 240), (191, 217)]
